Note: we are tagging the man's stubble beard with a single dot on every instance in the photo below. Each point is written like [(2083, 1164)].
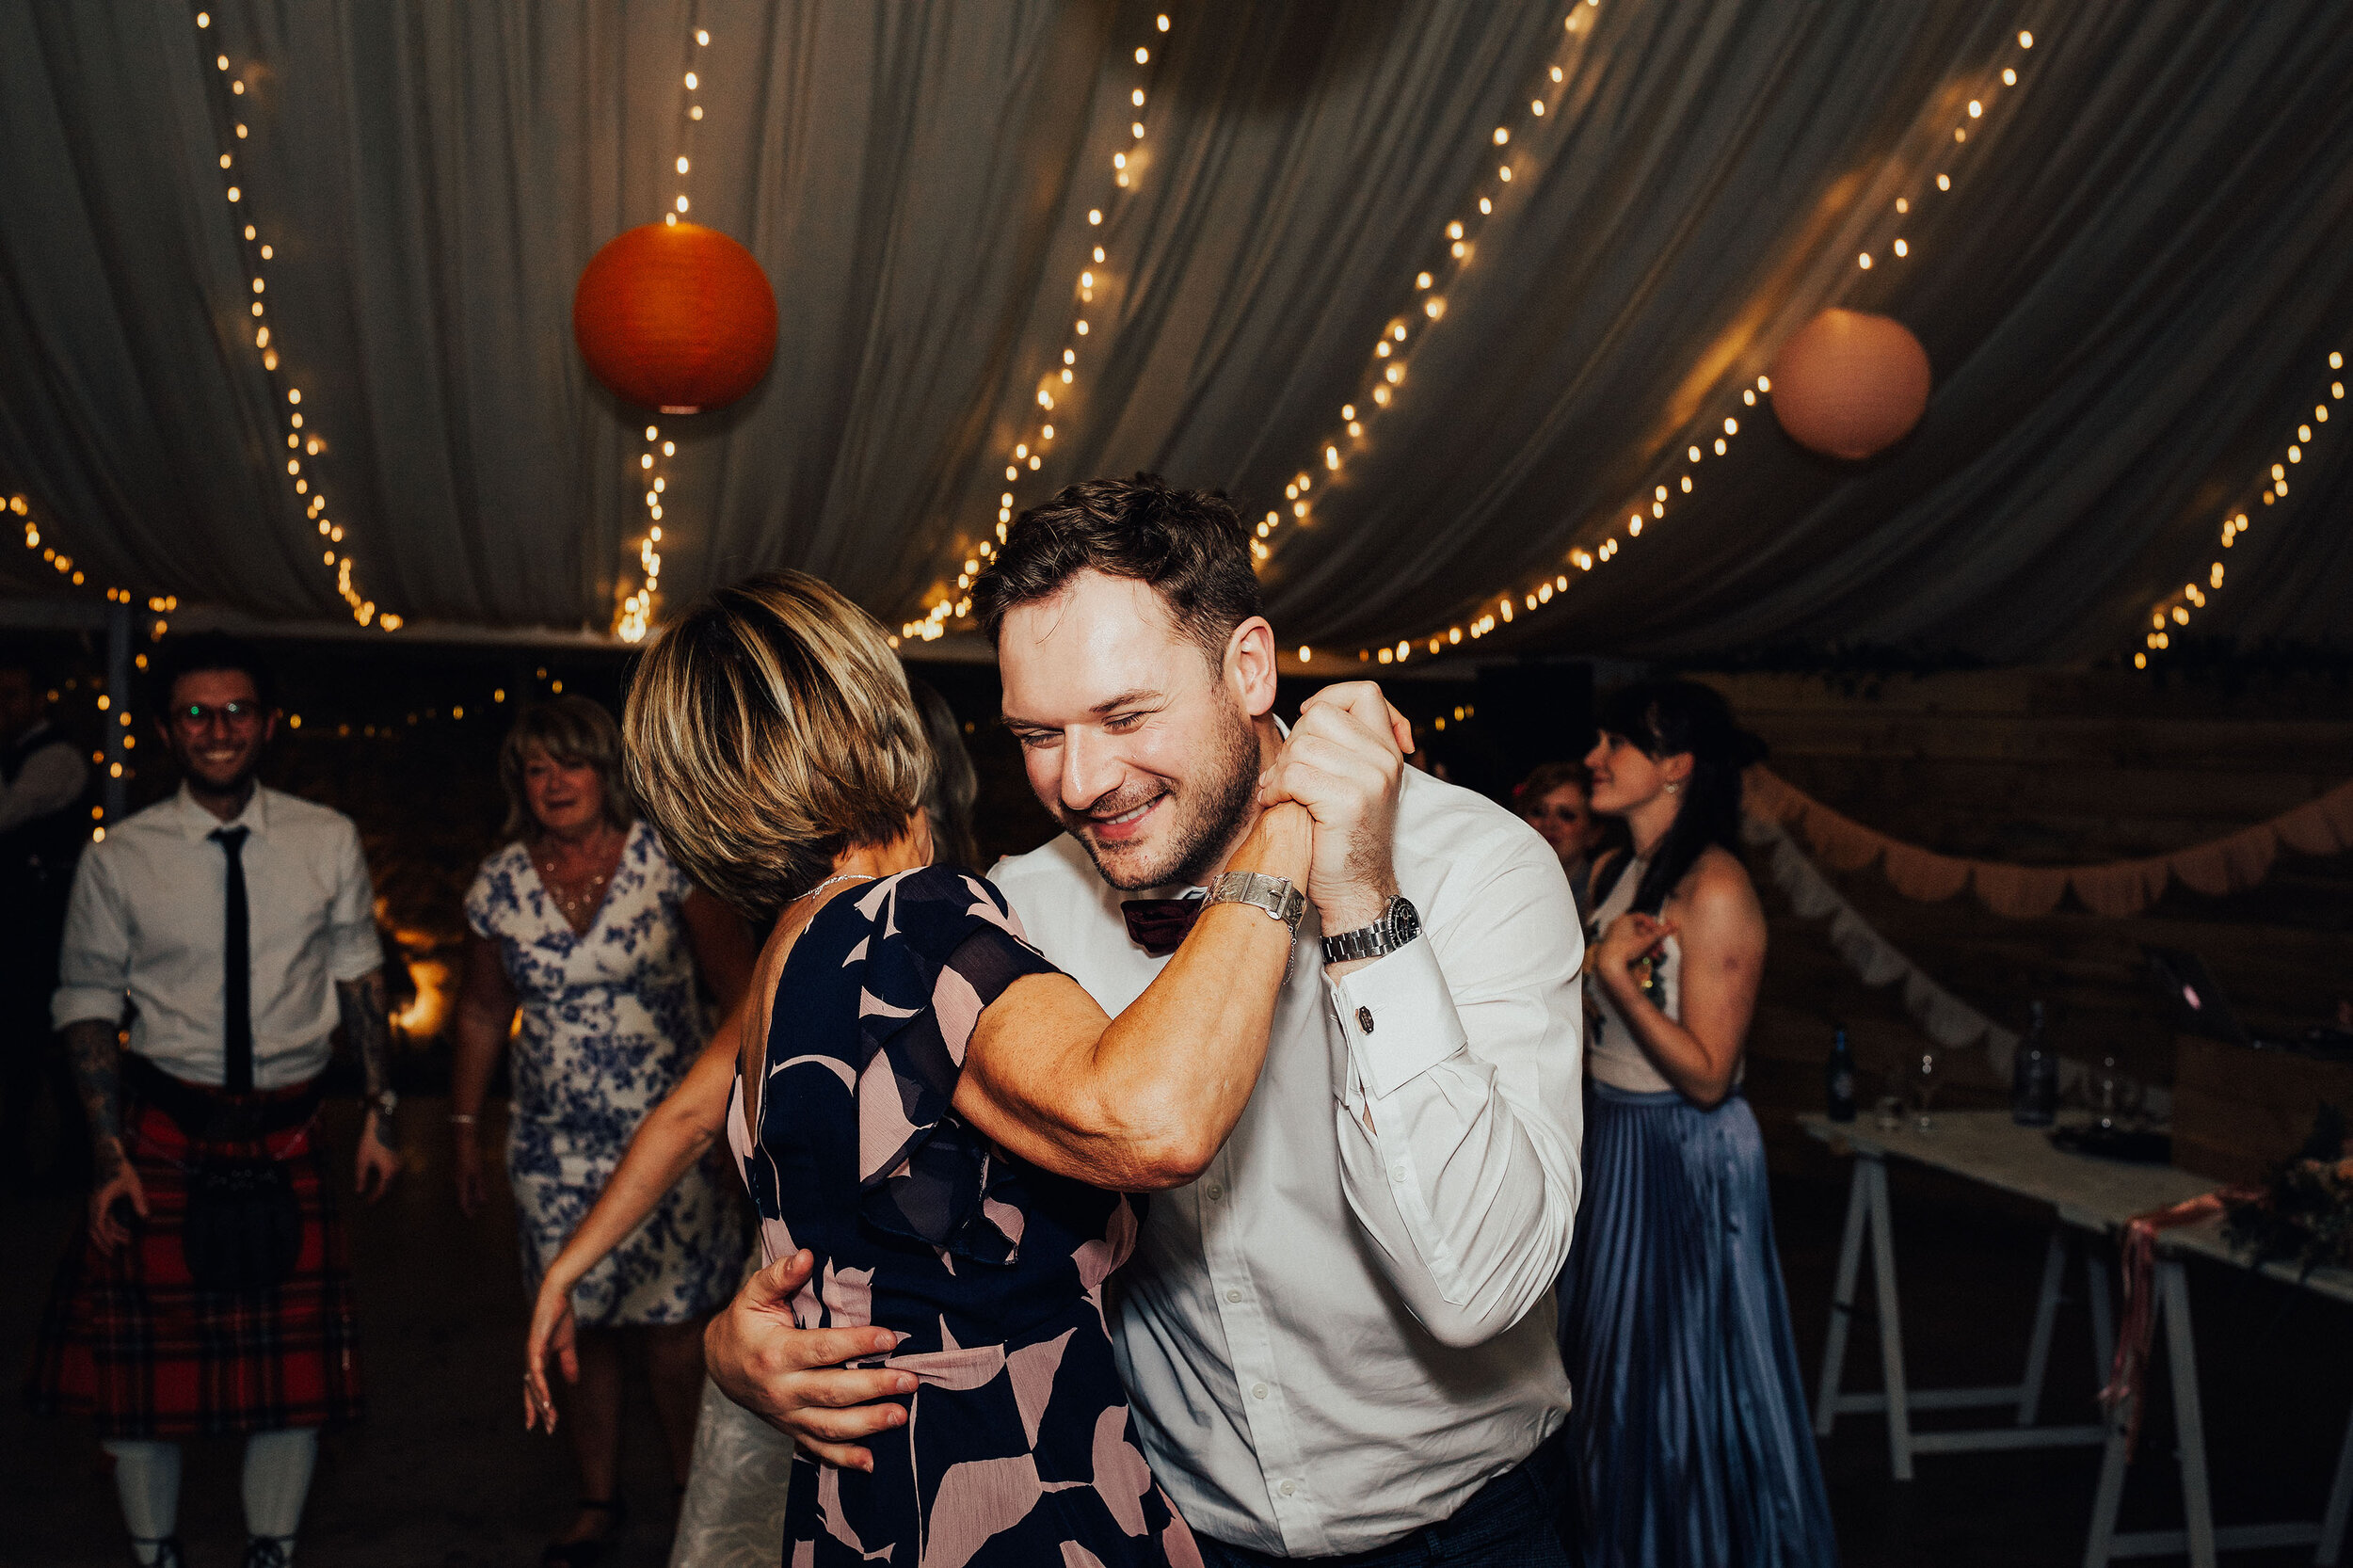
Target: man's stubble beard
[(1200, 841)]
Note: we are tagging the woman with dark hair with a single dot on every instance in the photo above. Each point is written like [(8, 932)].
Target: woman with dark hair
[(1689, 1432), (586, 925)]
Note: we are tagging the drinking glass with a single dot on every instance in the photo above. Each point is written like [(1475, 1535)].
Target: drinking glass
[(1924, 1077)]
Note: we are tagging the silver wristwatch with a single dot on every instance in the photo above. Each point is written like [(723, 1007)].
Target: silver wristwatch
[(1273, 894), (1398, 925)]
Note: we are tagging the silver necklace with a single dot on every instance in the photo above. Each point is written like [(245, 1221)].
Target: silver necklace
[(846, 876)]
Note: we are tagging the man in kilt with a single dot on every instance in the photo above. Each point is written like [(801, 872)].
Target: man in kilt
[(209, 1291)]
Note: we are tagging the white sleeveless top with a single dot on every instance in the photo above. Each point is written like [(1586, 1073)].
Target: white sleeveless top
[(1613, 1055)]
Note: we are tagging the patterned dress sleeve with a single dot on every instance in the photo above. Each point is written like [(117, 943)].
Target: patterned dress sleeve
[(943, 946), (480, 898)]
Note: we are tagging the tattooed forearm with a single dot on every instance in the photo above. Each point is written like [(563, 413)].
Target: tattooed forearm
[(97, 1074), (368, 1025)]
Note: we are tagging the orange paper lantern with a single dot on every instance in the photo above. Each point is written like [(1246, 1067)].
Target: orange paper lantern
[(1850, 384), (676, 316)]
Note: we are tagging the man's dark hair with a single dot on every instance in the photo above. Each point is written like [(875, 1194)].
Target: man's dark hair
[(1188, 545), (201, 652)]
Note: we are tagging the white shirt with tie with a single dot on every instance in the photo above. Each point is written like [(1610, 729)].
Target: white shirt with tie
[(1345, 1327), (146, 923)]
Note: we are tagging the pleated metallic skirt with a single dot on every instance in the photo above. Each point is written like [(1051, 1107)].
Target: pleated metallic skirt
[(1689, 1435)]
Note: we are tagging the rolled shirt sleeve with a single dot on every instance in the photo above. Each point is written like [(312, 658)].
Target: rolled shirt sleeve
[(94, 961), (354, 949), (1461, 1115)]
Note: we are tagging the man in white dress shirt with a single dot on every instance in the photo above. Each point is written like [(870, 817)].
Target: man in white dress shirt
[(209, 1291), (1340, 1340)]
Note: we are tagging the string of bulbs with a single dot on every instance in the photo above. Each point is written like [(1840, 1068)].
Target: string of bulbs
[(2174, 609), (1057, 384), (300, 443), (1714, 431), (635, 617), (1385, 373)]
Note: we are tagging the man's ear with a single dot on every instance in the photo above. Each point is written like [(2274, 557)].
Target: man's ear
[(1250, 666)]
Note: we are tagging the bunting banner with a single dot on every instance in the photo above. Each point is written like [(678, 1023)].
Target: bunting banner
[(2231, 864)]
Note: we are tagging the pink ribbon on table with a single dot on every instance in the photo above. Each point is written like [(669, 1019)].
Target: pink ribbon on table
[(2136, 1262)]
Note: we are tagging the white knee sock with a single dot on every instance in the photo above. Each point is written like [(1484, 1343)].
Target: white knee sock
[(277, 1480), (147, 1479)]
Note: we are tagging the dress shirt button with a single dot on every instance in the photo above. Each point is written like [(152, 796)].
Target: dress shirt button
[(1233, 1295), (1290, 1487), (1257, 1390), (1363, 1020), (1216, 1191)]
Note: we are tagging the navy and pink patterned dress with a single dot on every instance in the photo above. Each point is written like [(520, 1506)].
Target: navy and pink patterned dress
[(1018, 1450)]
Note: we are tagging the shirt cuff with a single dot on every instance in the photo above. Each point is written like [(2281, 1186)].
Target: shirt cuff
[(1397, 1015), (77, 1004)]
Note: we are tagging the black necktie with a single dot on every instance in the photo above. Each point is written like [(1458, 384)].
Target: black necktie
[(1158, 925), (236, 945)]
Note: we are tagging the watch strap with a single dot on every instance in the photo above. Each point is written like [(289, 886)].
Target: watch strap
[(1273, 894), (1398, 925)]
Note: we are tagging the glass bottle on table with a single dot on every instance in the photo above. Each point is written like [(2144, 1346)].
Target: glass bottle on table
[(2034, 1076), (1838, 1075)]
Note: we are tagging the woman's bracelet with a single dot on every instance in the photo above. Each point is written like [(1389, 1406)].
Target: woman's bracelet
[(459, 1118)]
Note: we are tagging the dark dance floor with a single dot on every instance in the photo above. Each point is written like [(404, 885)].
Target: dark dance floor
[(441, 1473)]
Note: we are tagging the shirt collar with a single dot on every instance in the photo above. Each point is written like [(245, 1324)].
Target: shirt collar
[(196, 823)]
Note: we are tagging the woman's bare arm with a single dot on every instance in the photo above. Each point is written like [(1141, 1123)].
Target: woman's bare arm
[(1722, 929), (486, 1012), (1145, 1100), (665, 1145)]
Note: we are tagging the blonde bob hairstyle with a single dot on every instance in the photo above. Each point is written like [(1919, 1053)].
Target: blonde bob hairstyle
[(769, 730), (573, 731)]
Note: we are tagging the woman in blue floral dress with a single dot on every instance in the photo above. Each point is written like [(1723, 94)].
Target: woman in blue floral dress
[(586, 925)]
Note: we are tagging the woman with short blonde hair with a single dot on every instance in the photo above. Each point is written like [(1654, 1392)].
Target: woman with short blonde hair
[(937, 1125)]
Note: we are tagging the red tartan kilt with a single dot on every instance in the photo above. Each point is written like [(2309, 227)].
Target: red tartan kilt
[(130, 1340)]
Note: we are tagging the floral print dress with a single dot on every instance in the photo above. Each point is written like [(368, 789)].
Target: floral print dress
[(611, 1022), (1018, 1450)]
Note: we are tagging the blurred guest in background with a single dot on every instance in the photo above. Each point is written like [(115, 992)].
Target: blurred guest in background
[(1557, 800), (952, 785), (43, 829), (732, 1515), (209, 1292), (583, 922), (1689, 1432)]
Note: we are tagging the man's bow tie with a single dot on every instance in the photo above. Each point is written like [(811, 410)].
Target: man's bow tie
[(1158, 924)]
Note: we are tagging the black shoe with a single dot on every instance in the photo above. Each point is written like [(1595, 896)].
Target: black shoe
[(268, 1551), (584, 1554), (168, 1553)]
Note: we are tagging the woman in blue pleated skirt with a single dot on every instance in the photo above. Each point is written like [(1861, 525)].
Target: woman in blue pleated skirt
[(1689, 1434)]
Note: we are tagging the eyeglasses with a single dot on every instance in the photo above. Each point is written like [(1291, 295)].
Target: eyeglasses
[(198, 716)]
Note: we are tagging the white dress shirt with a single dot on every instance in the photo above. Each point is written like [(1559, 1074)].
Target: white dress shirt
[(146, 922), (1346, 1327), (50, 780)]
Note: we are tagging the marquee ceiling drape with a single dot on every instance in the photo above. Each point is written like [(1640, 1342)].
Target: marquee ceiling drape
[(2127, 296)]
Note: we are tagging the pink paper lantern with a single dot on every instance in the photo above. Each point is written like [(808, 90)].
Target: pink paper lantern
[(1850, 384)]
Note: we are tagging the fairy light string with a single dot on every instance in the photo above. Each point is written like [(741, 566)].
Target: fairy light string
[(1454, 256), (303, 438), (650, 475), (2173, 612), (1057, 383), (1713, 433)]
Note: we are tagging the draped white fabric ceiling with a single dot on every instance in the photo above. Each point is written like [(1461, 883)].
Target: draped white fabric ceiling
[(2128, 297)]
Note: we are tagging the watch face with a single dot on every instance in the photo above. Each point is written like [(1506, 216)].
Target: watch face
[(1404, 919)]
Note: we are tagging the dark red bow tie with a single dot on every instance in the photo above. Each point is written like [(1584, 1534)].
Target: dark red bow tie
[(1158, 924)]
